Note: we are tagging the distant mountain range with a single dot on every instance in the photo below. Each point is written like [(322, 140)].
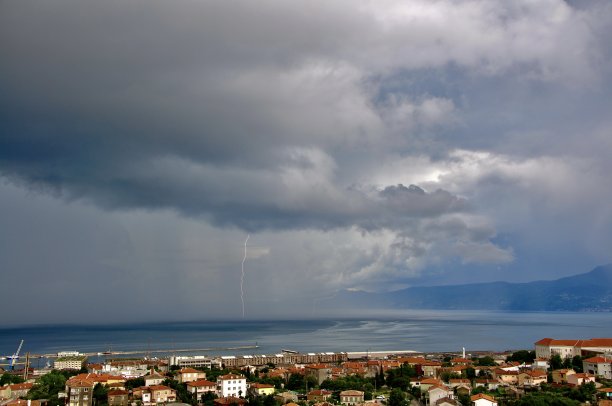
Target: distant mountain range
[(589, 292)]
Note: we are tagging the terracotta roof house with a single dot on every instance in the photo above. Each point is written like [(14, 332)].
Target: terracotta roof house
[(351, 397), (319, 395), (483, 400)]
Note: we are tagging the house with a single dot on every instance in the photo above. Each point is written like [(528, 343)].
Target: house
[(24, 402), (606, 392), (19, 390), (351, 397), (437, 392), (321, 372), (490, 384), (532, 378), (200, 387), (118, 398), (581, 378), (540, 363), (506, 377), (319, 395), (430, 368), (5, 392), (483, 400), (600, 366), (156, 394), (547, 347), (560, 375), (261, 389), (231, 385), (461, 361), (185, 375), (285, 397), (447, 402), (453, 383), (79, 391), (153, 378)]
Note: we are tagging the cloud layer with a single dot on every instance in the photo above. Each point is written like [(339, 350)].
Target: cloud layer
[(366, 144)]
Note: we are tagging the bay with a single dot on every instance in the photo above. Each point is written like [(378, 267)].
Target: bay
[(423, 331)]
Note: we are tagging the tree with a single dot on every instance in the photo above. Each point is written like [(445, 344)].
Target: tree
[(208, 399), (100, 394), (470, 373), (397, 398), (485, 361), (556, 362), (9, 379), (48, 386), (296, 382), (134, 383), (577, 363), (545, 399), (522, 356)]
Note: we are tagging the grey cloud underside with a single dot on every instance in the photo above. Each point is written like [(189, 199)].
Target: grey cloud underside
[(270, 115)]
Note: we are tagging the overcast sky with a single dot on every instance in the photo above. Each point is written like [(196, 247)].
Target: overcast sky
[(361, 144)]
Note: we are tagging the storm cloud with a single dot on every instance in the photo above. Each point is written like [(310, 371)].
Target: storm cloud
[(367, 145)]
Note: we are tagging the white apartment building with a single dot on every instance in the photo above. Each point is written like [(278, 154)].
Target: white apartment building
[(70, 362), (231, 385), (547, 347)]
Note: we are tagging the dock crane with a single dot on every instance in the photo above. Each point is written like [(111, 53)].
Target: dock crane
[(13, 358)]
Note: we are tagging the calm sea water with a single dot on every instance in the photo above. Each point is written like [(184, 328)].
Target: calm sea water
[(414, 330)]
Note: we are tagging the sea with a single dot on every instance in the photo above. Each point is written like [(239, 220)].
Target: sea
[(420, 331)]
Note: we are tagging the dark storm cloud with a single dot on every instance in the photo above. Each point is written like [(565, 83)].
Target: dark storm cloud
[(200, 108), (310, 123)]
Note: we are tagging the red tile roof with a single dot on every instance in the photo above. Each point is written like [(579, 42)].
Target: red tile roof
[(188, 371), (200, 383), (482, 396), (598, 360)]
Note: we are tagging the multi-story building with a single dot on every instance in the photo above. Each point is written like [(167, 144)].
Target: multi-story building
[(600, 366), (201, 386), (70, 362), (156, 394), (118, 397), (547, 347), (231, 385), (195, 361), (79, 392), (351, 397), (320, 372), (185, 375)]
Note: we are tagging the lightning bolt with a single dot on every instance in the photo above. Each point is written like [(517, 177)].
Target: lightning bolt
[(242, 276)]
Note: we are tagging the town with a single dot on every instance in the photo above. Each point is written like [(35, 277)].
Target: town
[(555, 372)]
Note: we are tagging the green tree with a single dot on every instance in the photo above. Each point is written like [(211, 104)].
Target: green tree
[(397, 398), (134, 383), (577, 363), (470, 373), (296, 382), (100, 395), (48, 386), (522, 356), (9, 379), (208, 399), (556, 362), (545, 399), (182, 394), (486, 361)]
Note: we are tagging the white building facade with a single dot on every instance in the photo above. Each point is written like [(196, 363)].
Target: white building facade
[(231, 385)]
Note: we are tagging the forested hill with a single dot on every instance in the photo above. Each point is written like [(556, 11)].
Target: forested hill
[(591, 291)]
